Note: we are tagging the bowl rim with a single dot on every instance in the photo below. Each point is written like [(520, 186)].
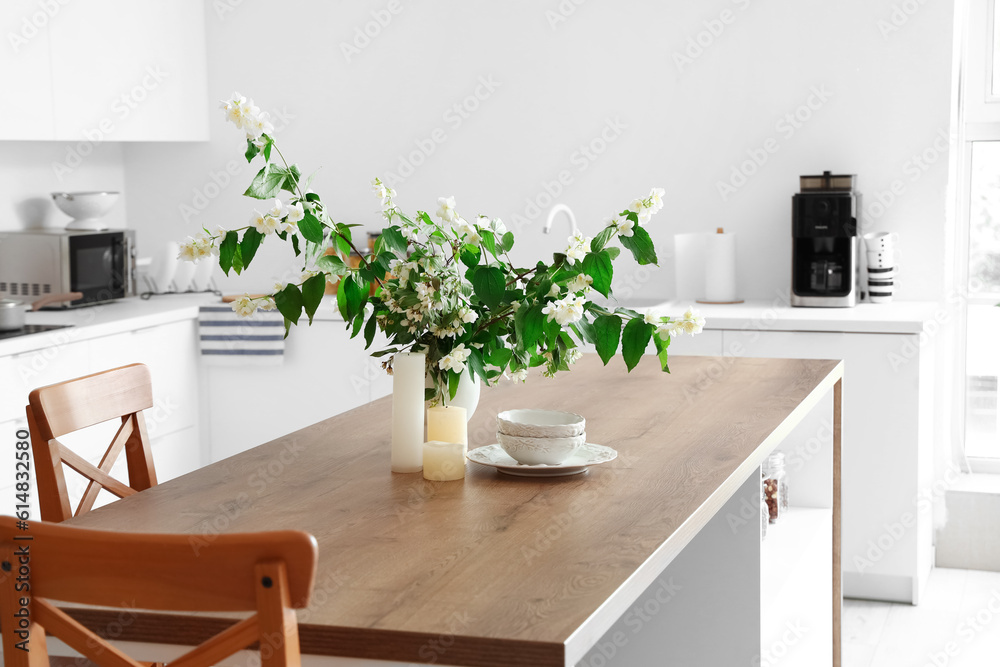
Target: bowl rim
[(579, 419), (541, 443), (103, 193)]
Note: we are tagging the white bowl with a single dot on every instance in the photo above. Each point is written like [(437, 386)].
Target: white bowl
[(86, 208), (537, 451), (540, 423)]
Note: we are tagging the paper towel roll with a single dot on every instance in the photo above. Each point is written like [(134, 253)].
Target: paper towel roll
[(720, 268), (689, 265)]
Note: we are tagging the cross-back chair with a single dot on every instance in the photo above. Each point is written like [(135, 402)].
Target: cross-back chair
[(53, 411), (269, 573)]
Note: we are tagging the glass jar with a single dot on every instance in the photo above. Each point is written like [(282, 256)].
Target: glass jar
[(775, 486)]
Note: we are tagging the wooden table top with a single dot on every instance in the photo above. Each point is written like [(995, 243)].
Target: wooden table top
[(491, 570)]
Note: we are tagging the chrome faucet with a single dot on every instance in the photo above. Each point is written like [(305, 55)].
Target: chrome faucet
[(561, 208)]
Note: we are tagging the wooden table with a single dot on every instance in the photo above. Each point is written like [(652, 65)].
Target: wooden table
[(495, 570)]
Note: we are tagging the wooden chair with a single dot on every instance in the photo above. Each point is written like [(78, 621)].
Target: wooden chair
[(261, 572), (53, 411)]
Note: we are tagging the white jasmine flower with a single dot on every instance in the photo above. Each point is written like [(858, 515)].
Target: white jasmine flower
[(693, 323), (264, 224), (471, 233), (651, 318), (573, 355), (520, 375), (496, 224), (482, 222), (621, 224), (468, 316), (258, 124), (446, 210), (278, 286), (237, 109), (295, 213), (554, 290), (455, 360), (581, 282), (565, 311), (244, 306), (266, 304), (195, 248), (277, 210), (579, 246), (656, 198)]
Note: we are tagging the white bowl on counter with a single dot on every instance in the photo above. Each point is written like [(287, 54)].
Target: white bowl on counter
[(541, 423), (540, 451)]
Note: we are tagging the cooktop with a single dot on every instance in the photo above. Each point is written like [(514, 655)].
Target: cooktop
[(28, 329)]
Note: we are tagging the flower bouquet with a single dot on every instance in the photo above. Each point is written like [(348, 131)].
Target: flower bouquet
[(444, 285)]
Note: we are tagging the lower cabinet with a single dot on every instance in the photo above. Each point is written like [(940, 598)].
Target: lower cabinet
[(324, 372), (170, 352)]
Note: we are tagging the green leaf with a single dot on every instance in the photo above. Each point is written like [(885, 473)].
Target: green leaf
[(267, 183), (661, 351), (394, 240), (332, 264), (532, 326), (500, 357), (613, 252), (544, 285), (507, 242), (349, 297), (267, 147), (289, 303), (312, 294), (359, 322), (641, 245), (227, 250), (601, 240), (248, 247), (252, 150), (598, 266), (370, 329), (607, 334), (489, 242), (489, 285), (476, 365), (311, 228), (586, 330), (295, 244), (470, 255), (635, 338), (453, 380)]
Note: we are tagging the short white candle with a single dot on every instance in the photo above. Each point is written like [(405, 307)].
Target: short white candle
[(444, 461), (447, 423), (407, 411)]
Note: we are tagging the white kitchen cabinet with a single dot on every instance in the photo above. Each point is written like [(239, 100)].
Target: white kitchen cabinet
[(886, 451), (323, 373), (107, 70), (708, 343), (26, 105)]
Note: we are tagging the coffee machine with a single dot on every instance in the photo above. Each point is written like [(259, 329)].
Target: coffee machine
[(825, 242)]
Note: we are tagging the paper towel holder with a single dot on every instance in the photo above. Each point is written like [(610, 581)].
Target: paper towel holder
[(718, 230)]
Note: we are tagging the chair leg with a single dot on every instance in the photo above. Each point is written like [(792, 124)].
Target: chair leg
[(279, 630)]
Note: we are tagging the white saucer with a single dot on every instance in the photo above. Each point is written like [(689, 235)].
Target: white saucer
[(588, 455)]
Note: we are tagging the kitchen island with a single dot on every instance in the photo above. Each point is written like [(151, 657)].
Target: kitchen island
[(654, 556)]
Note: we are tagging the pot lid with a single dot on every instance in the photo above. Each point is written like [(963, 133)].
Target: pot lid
[(10, 303)]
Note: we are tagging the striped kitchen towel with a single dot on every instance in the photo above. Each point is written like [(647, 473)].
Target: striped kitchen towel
[(227, 339)]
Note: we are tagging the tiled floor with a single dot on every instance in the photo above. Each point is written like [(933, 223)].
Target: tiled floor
[(957, 624)]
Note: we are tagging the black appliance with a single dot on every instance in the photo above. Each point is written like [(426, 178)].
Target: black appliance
[(825, 242)]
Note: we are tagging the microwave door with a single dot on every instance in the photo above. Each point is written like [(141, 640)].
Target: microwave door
[(97, 263)]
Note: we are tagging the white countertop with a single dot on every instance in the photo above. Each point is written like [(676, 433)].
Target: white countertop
[(896, 317), (134, 313)]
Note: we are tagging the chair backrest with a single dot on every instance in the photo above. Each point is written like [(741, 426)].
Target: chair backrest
[(121, 393), (270, 573)]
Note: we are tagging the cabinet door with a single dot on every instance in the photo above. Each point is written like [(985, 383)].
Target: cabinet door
[(323, 373), (129, 71), (26, 104), (880, 437), (708, 343)]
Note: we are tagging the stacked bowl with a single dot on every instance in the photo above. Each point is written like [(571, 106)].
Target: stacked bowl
[(540, 437)]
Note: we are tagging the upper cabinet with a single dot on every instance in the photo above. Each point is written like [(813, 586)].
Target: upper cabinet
[(103, 70)]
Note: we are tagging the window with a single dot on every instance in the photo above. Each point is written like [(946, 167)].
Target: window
[(980, 103)]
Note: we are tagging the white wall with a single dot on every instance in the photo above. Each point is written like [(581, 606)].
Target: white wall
[(559, 84), (31, 170)]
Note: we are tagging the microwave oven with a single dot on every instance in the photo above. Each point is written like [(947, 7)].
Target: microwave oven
[(99, 265)]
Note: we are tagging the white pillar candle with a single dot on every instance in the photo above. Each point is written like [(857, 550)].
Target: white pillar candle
[(407, 411), (444, 461), (447, 423)]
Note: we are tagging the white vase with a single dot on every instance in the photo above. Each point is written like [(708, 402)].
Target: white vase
[(466, 397)]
